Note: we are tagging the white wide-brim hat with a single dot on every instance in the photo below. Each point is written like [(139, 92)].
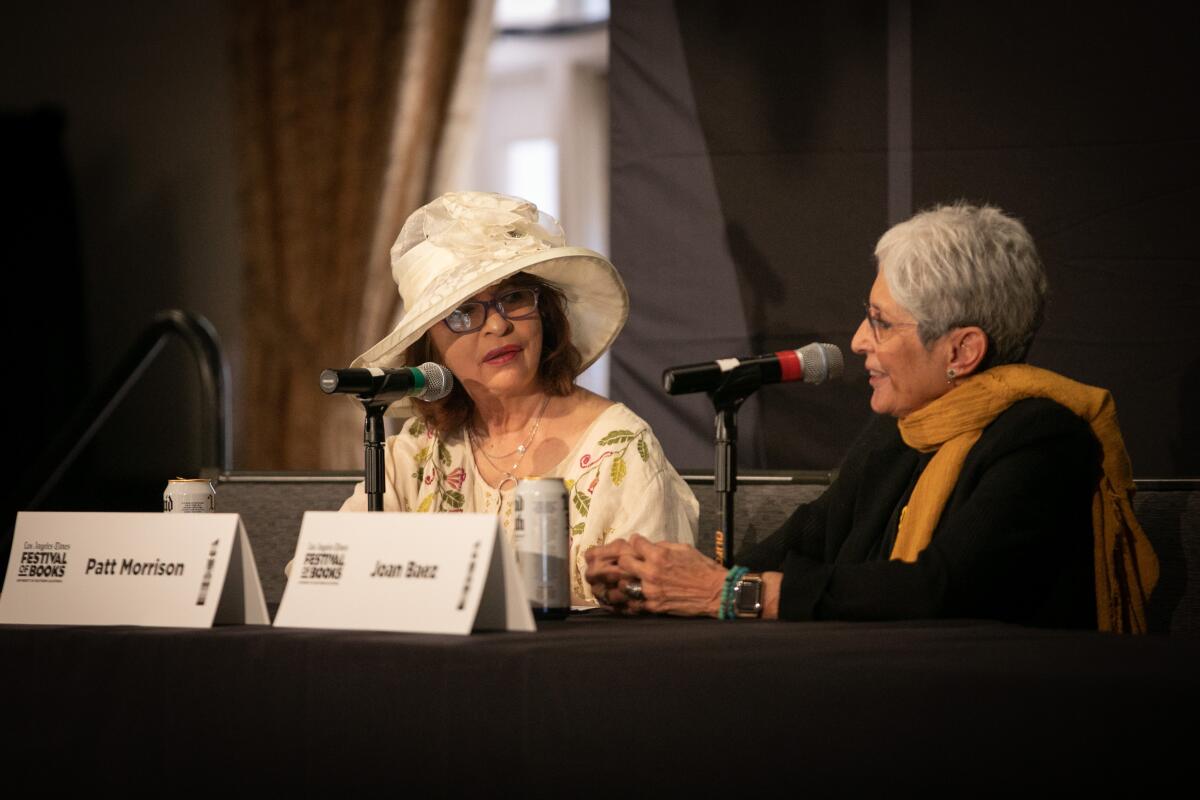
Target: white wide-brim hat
[(463, 242)]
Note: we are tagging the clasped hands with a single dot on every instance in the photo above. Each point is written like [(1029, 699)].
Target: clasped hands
[(674, 578)]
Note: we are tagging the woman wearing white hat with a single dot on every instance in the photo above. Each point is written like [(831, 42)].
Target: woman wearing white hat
[(491, 291)]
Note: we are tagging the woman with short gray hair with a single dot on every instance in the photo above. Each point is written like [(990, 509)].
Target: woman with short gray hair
[(985, 487), (960, 265)]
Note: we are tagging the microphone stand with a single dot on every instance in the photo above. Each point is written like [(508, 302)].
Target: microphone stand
[(373, 442), (727, 399), (375, 397), (374, 437)]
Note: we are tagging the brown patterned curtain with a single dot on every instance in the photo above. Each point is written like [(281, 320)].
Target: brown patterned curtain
[(340, 108)]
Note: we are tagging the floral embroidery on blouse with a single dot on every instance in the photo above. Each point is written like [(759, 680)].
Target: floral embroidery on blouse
[(616, 477), (592, 469), (433, 469), (441, 481)]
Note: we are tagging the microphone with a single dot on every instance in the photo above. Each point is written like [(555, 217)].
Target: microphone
[(427, 382), (813, 363)]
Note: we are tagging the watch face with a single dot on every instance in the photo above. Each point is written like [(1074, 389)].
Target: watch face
[(748, 597)]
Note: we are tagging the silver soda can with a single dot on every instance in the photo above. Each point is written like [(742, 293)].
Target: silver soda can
[(543, 544), (189, 496)]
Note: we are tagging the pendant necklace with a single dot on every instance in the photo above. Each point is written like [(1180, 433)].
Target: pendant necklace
[(510, 474)]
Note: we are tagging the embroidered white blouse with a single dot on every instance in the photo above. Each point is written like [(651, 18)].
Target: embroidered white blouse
[(618, 483)]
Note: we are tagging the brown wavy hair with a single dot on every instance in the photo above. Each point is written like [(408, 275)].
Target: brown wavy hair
[(557, 369)]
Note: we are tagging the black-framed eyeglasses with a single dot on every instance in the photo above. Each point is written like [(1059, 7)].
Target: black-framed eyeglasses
[(880, 327), (512, 305)]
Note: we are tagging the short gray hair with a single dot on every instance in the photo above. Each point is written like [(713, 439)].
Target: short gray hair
[(958, 265)]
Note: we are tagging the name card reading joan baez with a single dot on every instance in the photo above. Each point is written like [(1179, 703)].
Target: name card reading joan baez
[(171, 570), (416, 573)]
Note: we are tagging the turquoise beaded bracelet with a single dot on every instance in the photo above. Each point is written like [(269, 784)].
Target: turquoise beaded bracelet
[(732, 577)]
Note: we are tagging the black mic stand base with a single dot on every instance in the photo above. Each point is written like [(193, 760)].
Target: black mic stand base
[(373, 444), (726, 400)]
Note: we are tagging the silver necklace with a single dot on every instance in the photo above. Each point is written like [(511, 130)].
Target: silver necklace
[(511, 473), (523, 446)]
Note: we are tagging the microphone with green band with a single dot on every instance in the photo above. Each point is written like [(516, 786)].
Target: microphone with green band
[(428, 382)]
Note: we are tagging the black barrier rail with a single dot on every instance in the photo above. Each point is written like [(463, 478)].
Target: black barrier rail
[(201, 339)]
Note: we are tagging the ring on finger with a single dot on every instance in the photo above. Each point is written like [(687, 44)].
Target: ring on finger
[(633, 590)]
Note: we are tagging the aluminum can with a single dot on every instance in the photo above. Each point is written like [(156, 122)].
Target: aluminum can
[(541, 530), (189, 496)]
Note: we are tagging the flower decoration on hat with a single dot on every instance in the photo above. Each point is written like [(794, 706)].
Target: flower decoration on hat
[(493, 227)]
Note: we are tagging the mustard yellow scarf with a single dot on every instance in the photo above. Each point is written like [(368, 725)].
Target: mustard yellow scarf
[(1126, 567)]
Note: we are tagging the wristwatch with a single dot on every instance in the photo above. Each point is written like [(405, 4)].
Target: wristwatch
[(748, 596)]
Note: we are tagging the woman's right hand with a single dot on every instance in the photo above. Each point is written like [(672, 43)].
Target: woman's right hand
[(605, 577)]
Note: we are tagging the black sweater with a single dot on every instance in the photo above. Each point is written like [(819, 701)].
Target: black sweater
[(1014, 542)]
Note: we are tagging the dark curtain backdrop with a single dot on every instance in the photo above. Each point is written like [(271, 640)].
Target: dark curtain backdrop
[(760, 149), (40, 234)]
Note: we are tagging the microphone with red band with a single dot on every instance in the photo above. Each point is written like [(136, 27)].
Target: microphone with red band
[(813, 363)]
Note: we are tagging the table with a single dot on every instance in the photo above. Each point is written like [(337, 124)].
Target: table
[(601, 705)]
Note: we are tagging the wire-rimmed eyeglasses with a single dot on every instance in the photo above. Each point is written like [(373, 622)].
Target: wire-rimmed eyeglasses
[(880, 327)]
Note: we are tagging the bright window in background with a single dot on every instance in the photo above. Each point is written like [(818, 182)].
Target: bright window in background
[(525, 12), (531, 171), (542, 127), (545, 13)]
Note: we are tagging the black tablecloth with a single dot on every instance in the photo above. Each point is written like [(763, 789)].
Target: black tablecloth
[(597, 704)]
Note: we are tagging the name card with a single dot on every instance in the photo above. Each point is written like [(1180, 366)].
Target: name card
[(417, 573), (169, 570)]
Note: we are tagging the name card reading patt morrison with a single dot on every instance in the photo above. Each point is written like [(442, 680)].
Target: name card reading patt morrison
[(175, 570)]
